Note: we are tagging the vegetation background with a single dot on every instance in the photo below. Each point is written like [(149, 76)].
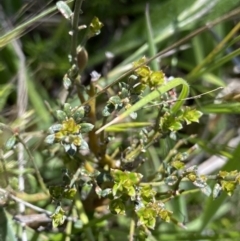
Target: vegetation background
[(34, 49)]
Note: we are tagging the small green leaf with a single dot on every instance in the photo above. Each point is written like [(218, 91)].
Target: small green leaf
[(116, 188), (171, 180), (61, 115), (84, 145), (141, 233), (125, 182), (131, 191), (175, 126), (169, 122), (178, 164), (50, 139), (104, 193), (124, 93), (144, 72), (64, 9), (147, 194), (86, 127), (216, 190), (117, 174), (95, 27), (156, 78), (10, 142), (191, 115), (115, 100), (139, 62), (200, 182), (55, 128), (70, 193), (206, 190), (192, 177), (116, 206), (228, 186), (147, 217), (79, 114), (165, 215), (107, 111), (67, 83), (138, 88), (193, 168), (223, 174), (134, 177), (67, 109), (85, 190), (58, 217)]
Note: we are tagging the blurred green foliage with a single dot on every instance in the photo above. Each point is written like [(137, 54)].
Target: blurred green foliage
[(193, 36)]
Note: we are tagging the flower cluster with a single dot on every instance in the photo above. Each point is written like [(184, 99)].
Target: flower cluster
[(146, 76), (132, 91), (69, 131), (129, 196)]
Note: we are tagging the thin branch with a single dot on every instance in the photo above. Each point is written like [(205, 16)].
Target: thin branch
[(29, 205), (18, 200), (189, 98), (31, 158)]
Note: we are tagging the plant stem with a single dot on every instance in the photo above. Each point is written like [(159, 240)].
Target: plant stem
[(93, 138), (132, 229), (5, 175), (75, 19), (31, 158), (84, 218), (18, 200)]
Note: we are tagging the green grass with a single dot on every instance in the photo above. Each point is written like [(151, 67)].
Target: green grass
[(174, 36)]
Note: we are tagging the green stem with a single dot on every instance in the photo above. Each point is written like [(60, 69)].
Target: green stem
[(5, 175), (69, 230), (132, 229), (75, 19), (75, 177), (31, 158), (84, 218)]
